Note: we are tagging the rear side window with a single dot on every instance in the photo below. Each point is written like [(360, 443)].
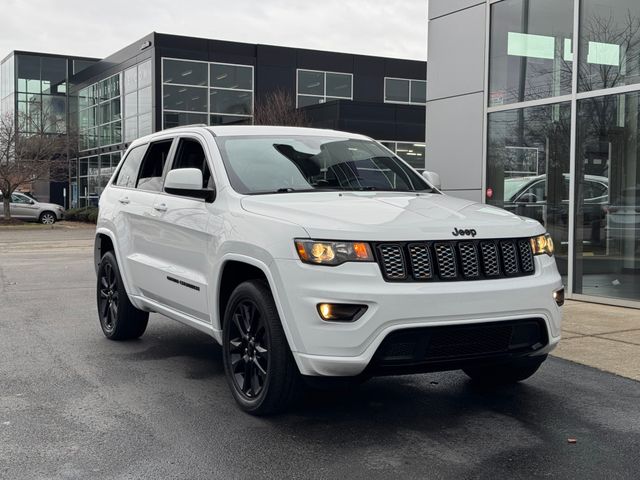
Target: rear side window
[(191, 155), (150, 177), (129, 171)]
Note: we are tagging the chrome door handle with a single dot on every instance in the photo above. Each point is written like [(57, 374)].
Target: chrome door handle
[(161, 207), (124, 200)]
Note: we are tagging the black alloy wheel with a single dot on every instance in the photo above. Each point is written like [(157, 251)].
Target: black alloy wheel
[(109, 298), (119, 319), (260, 369), (248, 349)]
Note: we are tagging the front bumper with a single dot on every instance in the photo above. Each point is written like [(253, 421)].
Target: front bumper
[(346, 349)]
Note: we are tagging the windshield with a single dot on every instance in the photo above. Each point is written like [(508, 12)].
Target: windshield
[(270, 164)]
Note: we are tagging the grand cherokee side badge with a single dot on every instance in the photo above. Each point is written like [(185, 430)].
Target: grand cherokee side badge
[(470, 232)]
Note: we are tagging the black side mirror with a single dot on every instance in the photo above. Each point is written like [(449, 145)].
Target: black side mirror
[(528, 198)]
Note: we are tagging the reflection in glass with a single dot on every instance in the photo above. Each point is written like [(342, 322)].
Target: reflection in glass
[(144, 100), (607, 216), (231, 101), (396, 90), (609, 44), (531, 54), (418, 91), (338, 85), (231, 76), (175, 119), (311, 83), (192, 99), (184, 72), (229, 120), (145, 75), (528, 167), (305, 100)]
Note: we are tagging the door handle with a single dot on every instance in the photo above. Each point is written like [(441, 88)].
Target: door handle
[(124, 200), (161, 207)]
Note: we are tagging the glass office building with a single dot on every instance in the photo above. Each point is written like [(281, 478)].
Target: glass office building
[(34, 90), (557, 112), (164, 81)]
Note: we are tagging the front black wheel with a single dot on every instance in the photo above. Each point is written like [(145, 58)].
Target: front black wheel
[(259, 367), (119, 319), (506, 373)]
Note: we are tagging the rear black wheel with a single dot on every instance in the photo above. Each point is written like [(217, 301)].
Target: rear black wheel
[(260, 369), (506, 373), (119, 319)]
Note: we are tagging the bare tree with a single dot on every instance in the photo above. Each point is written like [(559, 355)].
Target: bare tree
[(33, 146), (278, 108)]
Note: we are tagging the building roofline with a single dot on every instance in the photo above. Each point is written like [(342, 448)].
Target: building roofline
[(161, 34), (45, 54)]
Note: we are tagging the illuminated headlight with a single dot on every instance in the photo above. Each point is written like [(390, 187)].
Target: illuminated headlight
[(542, 244), (333, 253)]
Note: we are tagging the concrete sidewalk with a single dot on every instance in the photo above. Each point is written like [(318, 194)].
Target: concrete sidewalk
[(601, 336)]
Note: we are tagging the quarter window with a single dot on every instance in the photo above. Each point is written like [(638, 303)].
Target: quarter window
[(150, 177), (129, 170), (316, 87)]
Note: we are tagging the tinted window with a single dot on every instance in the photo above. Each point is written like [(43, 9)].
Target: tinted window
[(191, 155), (129, 170), (285, 164), (19, 199), (150, 177)]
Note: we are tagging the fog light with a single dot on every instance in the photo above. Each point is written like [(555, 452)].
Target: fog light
[(558, 296), (341, 312)]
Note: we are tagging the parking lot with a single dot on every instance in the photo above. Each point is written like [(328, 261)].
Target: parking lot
[(75, 405)]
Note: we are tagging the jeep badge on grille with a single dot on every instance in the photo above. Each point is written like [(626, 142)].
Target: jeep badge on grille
[(464, 232)]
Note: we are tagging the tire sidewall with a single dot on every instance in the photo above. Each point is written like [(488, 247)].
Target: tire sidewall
[(42, 215), (249, 291), (110, 259)]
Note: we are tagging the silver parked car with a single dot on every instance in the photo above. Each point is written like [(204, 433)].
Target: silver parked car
[(26, 208)]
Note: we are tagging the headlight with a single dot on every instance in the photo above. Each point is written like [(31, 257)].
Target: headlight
[(333, 253), (542, 244)]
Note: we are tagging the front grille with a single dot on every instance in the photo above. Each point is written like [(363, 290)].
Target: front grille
[(455, 260), (459, 343)]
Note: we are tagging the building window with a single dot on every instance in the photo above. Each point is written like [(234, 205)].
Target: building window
[(316, 87), (531, 52), (100, 114), (528, 167), (41, 94), (607, 197), (609, 44), (203, 92), (403, 90), (411, 152), (93, 175), (138, 101)]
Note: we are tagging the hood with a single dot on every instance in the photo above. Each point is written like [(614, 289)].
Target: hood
[(388, 216)]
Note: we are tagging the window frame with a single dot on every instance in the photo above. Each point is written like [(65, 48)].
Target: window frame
[(324, 95), (208, 88), (174, 155), (398, 102), (168, 160)]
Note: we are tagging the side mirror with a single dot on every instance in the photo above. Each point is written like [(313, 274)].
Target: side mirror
[(433, 178), (187, 182)]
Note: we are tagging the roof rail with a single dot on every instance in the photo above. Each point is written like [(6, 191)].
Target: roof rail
[(186, 126)]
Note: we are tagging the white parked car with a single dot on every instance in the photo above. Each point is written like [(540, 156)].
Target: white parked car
[(23, 207), (314, 253)]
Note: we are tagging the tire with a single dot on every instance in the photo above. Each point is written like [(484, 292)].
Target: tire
[(119, 319), (507, 373), (258, 363), (47, 218)]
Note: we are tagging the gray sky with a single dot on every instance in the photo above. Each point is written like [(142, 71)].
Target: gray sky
[(390, 28)]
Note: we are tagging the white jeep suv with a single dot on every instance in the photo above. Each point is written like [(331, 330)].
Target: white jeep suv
[(314, 253)]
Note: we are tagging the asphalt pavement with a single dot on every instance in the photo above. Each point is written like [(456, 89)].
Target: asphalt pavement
[(75, 405)]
